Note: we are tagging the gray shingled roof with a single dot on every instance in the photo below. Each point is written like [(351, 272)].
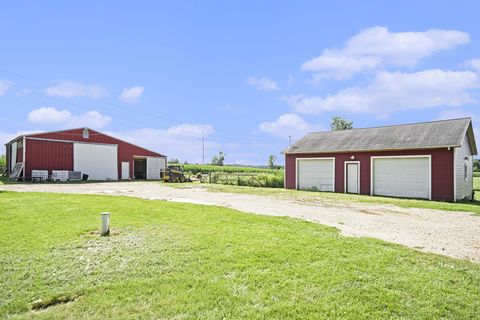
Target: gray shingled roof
[(444, 133)]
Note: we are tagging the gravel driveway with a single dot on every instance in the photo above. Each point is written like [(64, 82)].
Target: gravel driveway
[(454, 234)]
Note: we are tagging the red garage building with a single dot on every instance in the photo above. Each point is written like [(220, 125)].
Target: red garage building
[(90, 152), (429, 160)]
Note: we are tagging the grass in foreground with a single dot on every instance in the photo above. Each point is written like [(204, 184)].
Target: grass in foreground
[(171, 260), (314, 196)]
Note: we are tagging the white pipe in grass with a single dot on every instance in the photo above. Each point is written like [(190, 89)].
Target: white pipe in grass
[(105, 223)]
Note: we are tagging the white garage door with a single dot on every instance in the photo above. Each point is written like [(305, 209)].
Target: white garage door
[(99, 161), (315, 174), (401, 177), (154, 166)]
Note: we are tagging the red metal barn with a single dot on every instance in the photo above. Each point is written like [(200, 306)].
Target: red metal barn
[(429, 160), (100, 156)]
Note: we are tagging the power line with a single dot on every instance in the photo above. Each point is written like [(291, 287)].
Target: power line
[(136, 112)]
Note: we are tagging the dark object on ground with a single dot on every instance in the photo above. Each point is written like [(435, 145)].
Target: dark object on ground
[(174, 173)]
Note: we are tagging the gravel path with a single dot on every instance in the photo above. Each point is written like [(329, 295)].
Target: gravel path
[(454, 234)]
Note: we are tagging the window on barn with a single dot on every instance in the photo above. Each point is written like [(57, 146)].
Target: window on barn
[(85, 133)]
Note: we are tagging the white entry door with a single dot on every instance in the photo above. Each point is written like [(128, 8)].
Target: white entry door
[(352, 178), (125, 170)]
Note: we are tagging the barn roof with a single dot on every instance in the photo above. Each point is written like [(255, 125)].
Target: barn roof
[(424, 135), (70, 135)]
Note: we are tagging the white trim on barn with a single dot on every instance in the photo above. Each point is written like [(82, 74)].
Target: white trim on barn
[(429, 157), (345, 175), (297, 160)]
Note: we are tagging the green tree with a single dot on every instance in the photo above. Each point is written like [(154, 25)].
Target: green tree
[(218, 160), (174, 160), (340, 123), (3, 164), (476, 165), (271, 161)]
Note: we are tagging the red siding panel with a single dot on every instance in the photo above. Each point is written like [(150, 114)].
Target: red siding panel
[(20, 154), (48, 155), (442, 169)]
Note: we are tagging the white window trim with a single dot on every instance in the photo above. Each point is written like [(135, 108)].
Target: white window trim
[(316, 158), (345, 175), (428, 156)]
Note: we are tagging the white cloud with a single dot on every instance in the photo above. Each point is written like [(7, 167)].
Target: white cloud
[(65, 119), (263, 84), (377, 46), (131, 95), (474, 64), (395, 91), (69, 89), (190, 130), (183, 141), (455, 113), (5, 85), (48, 115), (23, 92), (92, 119), (288, 125)]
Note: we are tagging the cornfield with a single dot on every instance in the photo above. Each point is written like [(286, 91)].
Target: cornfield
[(236, 175)]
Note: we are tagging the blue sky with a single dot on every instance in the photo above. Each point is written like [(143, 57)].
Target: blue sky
[(245, 74)]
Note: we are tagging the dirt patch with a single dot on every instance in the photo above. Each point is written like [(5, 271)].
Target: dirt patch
[(454, 234), (98, 233), (42, 304)]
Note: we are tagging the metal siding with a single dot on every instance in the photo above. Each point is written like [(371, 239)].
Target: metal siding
[(98, 161), (47, 155), (442, 169), (126, 151), (20, 154), (464, 154)]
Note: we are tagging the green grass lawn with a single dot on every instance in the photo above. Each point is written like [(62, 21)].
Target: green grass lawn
[(312, 196), (182, 261)]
